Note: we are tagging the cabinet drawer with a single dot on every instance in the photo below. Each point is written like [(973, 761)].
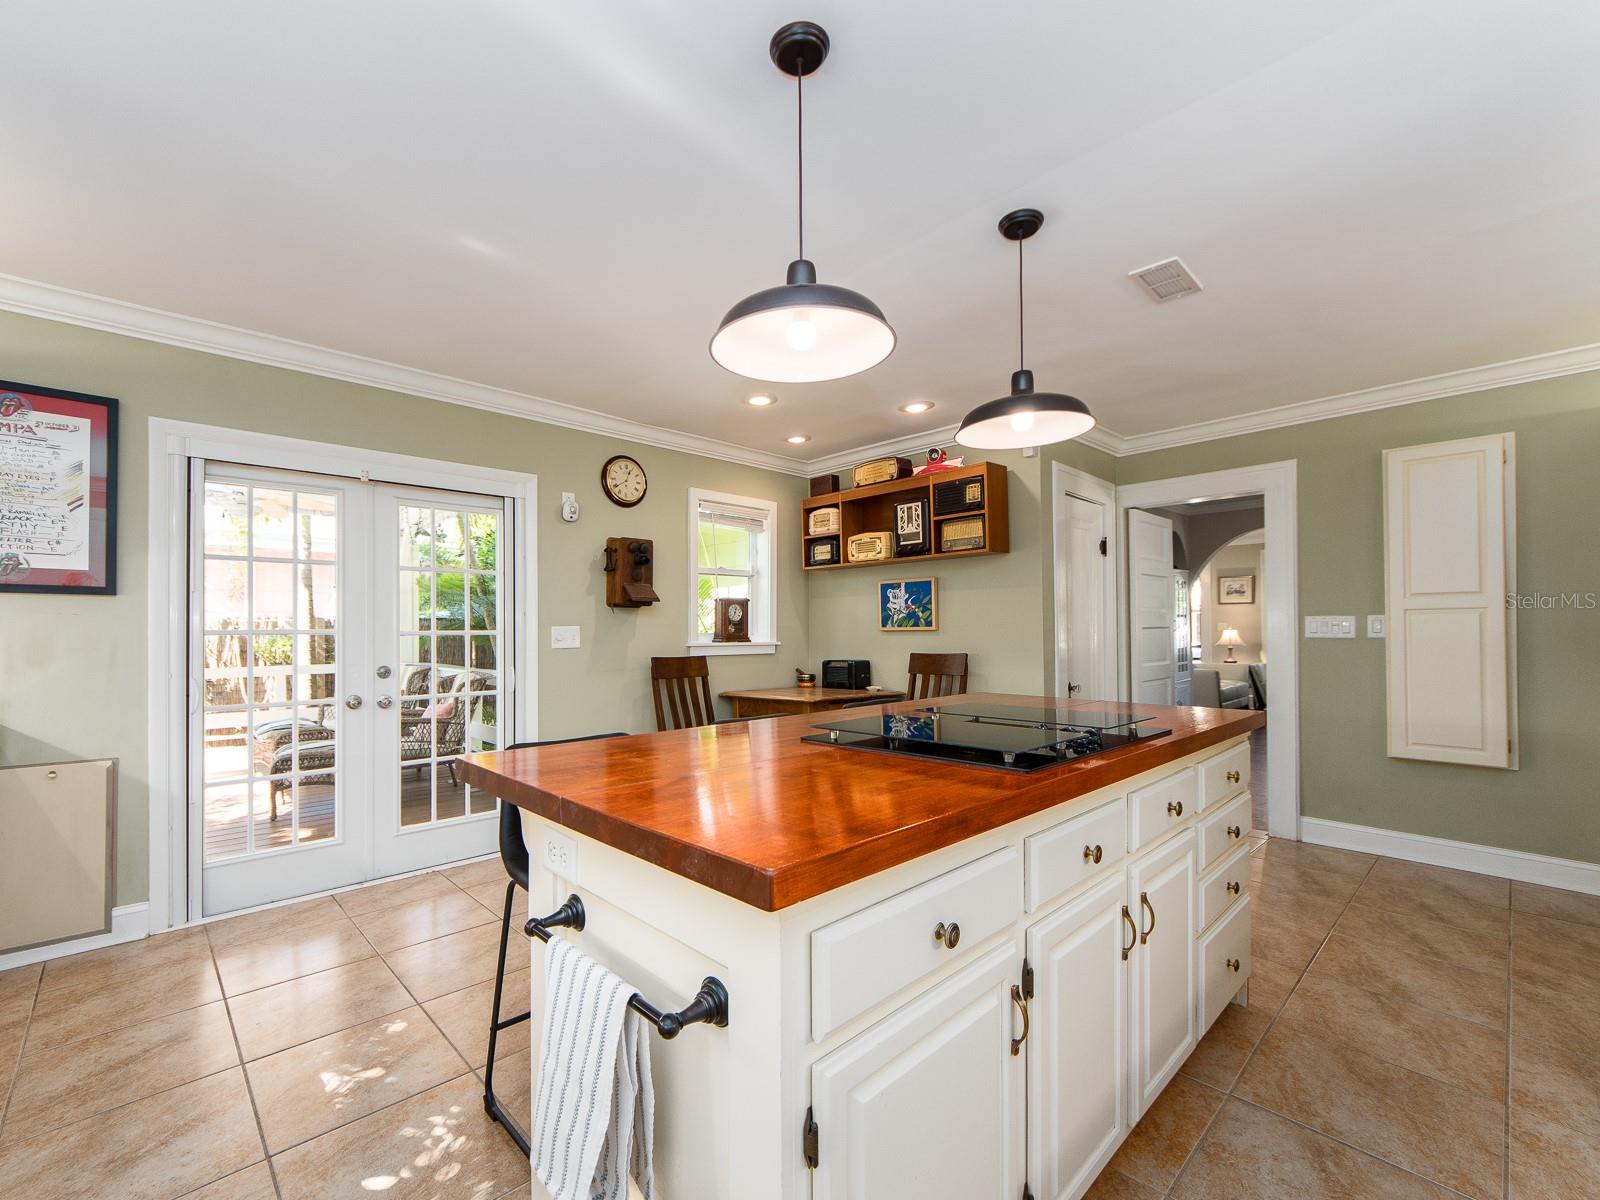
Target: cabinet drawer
[(1226, 885), (1224, 963), (868, 956), (1161, 806), (1224, 829), (1065, 855), (1224, 774)]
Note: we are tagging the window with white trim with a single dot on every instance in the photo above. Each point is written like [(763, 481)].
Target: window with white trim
[(732, 556)]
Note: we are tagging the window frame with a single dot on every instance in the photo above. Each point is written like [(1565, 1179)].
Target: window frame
[(763, 577)]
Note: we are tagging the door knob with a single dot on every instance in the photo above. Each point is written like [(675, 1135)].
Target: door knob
[(947, 935), (352, 702), (384, 672), (385, 701), (1074, 688)]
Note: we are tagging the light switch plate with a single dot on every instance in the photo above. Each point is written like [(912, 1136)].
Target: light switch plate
[(1330, 627), (1375, 627), (564, 637)]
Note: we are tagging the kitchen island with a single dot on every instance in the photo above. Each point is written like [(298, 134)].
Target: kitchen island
[(944, 980)]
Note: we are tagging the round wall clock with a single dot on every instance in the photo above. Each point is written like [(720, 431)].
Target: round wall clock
[(623, 480)]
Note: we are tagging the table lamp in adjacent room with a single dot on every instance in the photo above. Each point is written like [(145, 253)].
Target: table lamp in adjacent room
[(1230, 638)]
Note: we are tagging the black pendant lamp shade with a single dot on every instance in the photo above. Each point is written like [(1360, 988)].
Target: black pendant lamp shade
[(802, 331), (1025, 417)]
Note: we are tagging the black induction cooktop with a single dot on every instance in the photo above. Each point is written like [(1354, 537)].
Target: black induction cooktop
[(1005, 736)]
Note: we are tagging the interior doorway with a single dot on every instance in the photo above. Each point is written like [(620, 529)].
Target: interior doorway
[(348, 641), (1084, 526)]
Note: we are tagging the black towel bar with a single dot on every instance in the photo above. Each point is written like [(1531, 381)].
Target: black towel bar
[(709, 1006)]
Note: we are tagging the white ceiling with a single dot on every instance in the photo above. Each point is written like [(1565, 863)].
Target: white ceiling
[(561, 199)]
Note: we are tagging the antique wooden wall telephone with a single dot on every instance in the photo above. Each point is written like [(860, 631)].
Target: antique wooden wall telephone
[(630, 573)]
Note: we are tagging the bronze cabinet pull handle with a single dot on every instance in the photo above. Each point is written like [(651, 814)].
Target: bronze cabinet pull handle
[(1174, 808), (1091, 854), (947, 935), (1233, 887), (1233, 965), (1144, 934), (1233, 831), (1016, 998), (1233, 777), (1133, 933)]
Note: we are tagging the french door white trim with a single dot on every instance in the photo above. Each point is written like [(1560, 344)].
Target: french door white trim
[(172, 446), (1277, 486), (1065, 480)]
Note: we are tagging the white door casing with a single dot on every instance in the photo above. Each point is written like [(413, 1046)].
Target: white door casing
[(1448, 568), (1151, 612)]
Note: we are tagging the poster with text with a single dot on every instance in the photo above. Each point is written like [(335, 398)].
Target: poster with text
[(58, 499)]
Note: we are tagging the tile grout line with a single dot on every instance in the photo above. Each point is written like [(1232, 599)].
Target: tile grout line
[(1511, 966), (249, 1090), (27, 1024)]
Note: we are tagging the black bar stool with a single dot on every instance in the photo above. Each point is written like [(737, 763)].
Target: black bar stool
[(514, 855)]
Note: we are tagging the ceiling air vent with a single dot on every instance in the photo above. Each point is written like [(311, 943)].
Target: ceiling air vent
[(1166, 280)]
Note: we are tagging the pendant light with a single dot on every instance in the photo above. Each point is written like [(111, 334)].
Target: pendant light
[(1025, 417), (803, 331)]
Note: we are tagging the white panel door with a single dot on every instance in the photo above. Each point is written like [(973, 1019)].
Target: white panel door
[(1150, 606), (1080, 604), (1161, 899), (1447, 569), (928, 1103), (1078, 1050)]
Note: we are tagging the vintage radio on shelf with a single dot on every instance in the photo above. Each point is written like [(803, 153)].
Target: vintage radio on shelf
[(913, 532), (822, 520), (824, 552), (870, 547), (957, 496), (881, 470), (846, 672), (963, 534), (821, 485)]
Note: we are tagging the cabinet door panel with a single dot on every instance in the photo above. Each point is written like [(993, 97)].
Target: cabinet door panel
[(928, 1103), (1161, 893), (1077, 1052)]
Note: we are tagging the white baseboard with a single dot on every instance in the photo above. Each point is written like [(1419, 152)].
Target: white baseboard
[(128, 924), (1463, 856)]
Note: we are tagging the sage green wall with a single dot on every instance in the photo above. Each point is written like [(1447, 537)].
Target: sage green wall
[(993, 608), (1549, 806), (74, 668)]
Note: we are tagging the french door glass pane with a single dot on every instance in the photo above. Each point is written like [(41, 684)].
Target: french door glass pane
[(449, 588), (270, 675)]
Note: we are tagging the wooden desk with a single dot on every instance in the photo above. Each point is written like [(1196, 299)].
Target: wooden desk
[(768, 702)]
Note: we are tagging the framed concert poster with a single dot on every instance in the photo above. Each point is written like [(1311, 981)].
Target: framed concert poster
[(58, 491)]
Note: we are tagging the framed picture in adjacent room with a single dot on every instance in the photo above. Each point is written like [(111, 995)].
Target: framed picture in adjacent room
[(1236, 589), (908, 604), (58, 491)]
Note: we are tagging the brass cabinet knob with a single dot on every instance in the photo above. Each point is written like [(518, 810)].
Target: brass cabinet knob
[(1091, 854), (1233, 777), (1233, 831), (1174, 808), (1233, 965), (1233, 887), (947, 935)]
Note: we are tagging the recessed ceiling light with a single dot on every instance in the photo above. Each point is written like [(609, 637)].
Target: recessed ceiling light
[(916, 406), (761, 400), (798, 439)]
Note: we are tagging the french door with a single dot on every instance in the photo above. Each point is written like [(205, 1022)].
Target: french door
[(347, 647)]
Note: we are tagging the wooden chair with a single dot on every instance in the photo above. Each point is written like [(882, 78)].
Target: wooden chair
[(934, 675), (681, 688)]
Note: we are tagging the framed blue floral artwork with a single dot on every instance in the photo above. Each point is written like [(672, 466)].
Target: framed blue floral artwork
[(908, 604)]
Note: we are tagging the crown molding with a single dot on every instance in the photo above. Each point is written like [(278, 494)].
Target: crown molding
[(34, 299), (1573, 361)]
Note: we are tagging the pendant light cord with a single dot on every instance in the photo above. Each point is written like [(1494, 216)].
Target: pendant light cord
[(1022, 358), (800, 150)]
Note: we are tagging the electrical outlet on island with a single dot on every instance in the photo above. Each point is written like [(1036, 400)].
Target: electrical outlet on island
[(561, 855)]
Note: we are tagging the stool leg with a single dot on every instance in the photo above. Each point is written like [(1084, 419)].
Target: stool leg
[(491, 1103)]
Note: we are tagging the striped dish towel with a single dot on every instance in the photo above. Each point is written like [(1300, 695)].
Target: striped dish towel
[(593, 1107)]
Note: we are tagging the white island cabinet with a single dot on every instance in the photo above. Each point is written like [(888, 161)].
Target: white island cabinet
[(988, 1019)]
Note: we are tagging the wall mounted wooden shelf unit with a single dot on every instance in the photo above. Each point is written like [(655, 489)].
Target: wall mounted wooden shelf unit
[(870, 509)]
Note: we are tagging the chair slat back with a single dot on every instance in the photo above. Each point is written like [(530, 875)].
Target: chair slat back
[(934, 675), (681, 689)]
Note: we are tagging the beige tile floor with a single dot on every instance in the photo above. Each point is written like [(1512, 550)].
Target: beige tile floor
[(330, 1048), (1412, 1032)]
